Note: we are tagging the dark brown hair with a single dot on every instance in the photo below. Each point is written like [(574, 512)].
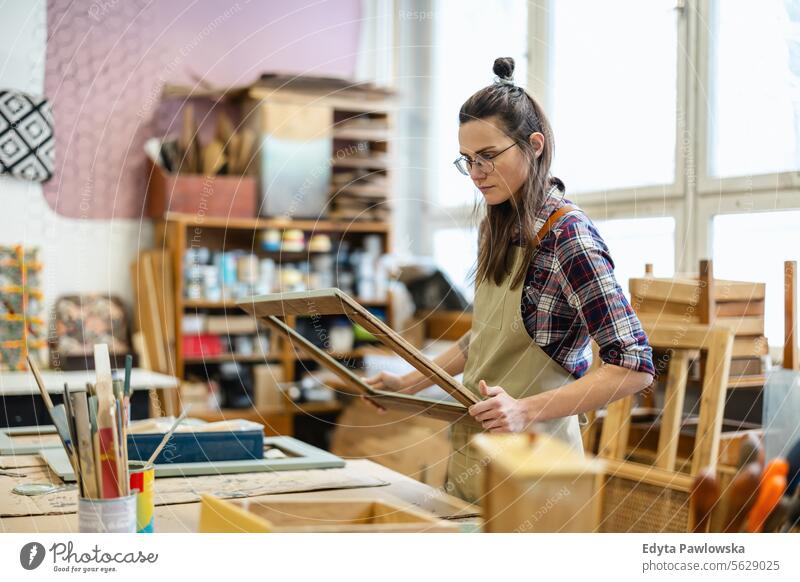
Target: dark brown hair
[(521, 116)]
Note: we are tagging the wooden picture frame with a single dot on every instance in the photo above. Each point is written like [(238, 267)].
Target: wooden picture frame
[(271, 308), (8, 447), (300, 457)]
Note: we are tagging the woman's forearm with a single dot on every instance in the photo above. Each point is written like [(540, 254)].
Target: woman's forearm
[(452, 361), (596, 389)]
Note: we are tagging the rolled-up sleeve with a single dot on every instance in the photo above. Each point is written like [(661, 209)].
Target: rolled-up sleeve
[(588, 282)]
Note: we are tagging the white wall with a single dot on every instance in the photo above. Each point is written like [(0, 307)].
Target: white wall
[(80, 256)]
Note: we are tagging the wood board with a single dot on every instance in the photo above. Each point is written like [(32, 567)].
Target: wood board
[(28, 440), (270, 308)]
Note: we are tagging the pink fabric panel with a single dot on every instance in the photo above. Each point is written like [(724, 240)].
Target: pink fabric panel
[(107, 60)]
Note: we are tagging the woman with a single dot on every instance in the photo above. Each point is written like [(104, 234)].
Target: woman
[(545, 285)]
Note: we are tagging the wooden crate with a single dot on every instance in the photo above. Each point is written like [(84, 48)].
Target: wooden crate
[(701, 299), (200, 196), (537, 483), (316, 516)]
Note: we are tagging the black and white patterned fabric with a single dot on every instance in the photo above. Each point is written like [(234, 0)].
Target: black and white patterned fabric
[(27, 145)]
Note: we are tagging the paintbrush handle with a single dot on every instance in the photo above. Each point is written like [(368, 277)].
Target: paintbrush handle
[(166, 438), (40, 383)]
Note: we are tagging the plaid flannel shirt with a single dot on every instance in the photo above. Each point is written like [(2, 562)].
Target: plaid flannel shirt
[(570, 293)]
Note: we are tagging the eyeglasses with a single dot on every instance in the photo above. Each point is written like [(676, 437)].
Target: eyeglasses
[(484, 163)]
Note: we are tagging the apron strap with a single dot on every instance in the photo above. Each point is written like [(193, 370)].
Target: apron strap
[(552, 219)]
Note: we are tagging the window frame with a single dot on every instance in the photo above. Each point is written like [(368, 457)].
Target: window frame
[(694, 197), (708, 185)]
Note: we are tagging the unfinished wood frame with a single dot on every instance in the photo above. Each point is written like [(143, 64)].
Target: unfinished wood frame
[(271, 308), (637, 497), (8, 435)]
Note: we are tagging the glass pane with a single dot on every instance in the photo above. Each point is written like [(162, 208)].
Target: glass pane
[(754, 101), (455, 251), (740, 242), (614, 91), (634, 242), (468, 38)]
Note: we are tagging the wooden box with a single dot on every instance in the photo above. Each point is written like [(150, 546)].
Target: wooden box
[(315, 516), (222, 196), (537, 483), (267, 390), (684, 300)]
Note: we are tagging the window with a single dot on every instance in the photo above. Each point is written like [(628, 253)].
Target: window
[(634, 242), (614, 93), (754, 100), (455, 251), (468, 37), (740, 244)]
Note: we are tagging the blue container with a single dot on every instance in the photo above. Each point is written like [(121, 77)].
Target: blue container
[(198, 447)]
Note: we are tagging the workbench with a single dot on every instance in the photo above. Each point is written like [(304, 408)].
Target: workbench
[(20, 384), (184, 517)]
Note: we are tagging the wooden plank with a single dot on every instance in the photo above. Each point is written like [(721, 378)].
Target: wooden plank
[(750, 347), (723, 308), (790, 361), (672, 414), (706, 308), (615, 431), (264, 223), (740, 308), (712, 400), (687, 291), (745, 326)]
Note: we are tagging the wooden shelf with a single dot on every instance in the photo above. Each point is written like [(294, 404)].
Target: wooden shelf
[(270, 358), (358, 134), (338, 226), (201, 304), (362, 162)]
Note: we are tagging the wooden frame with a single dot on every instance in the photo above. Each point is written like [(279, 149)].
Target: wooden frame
[(638, 497), (316, 515), (7, 446), (270, 308), (301, 456)]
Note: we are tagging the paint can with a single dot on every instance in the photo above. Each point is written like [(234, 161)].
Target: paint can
[(113, 515), (142, 480)]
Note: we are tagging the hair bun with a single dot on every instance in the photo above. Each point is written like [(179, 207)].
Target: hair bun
[(504, 68)]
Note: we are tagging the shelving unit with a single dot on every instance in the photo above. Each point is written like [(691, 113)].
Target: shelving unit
[(175, 232)]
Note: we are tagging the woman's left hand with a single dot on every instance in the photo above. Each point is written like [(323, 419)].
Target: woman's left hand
[(499, 412)]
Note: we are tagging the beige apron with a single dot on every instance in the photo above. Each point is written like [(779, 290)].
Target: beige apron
[(503, 354)]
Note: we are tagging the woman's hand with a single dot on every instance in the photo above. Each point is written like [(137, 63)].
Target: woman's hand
[(388, 382), (499, 412)]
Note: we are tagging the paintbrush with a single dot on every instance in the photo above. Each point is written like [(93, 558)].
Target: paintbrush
[(40, 383), (73, 436), (127, 386), (80, 407), (167, 436), (122, 461)]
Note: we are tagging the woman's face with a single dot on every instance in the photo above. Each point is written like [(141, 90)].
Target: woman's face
[(487, 138)]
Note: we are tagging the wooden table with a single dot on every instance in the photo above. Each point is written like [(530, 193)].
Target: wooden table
[(23, 384), (184, 518)]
